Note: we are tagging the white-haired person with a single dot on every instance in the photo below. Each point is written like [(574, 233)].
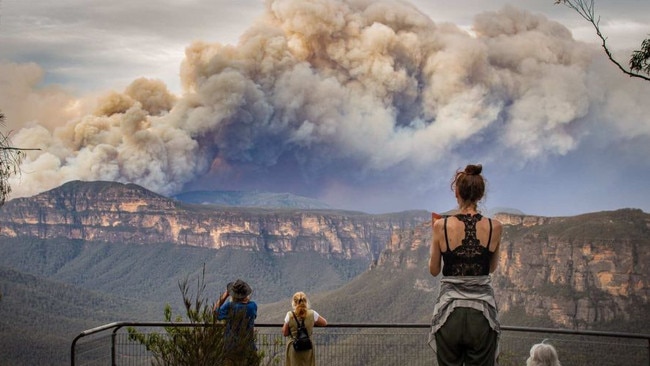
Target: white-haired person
[(543, 354)]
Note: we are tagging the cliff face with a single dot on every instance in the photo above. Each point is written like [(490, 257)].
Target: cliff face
[(117, 213), (576, 271)]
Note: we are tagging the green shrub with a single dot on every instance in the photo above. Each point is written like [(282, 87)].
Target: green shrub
[(199, 344)]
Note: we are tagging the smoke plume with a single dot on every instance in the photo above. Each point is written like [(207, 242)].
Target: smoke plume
[(335, 99)]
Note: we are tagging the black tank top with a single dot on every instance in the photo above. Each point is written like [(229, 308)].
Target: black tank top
[(469, 258)]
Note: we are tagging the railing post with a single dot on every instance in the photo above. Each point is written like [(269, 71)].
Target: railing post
[(72, 355), (113, 337), (72, 349)]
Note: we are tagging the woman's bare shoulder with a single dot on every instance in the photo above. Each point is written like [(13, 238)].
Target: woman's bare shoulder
[(496, 223), (497, 226)]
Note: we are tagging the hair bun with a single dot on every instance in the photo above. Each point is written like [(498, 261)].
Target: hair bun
[(473, 169)]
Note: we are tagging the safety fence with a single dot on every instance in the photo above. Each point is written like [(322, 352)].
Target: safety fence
[(373, 344)]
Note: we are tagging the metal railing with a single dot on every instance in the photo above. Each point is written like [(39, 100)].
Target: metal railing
[(375, 344)]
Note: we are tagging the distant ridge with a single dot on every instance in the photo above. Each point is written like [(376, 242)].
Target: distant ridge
[(507, 210), (250, 199)]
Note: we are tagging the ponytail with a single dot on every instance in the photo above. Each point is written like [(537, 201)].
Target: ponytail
[(300, 304)]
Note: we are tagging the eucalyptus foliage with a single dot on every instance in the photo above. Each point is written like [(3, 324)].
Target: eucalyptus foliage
[(202, 342), (639, 61), (10, 159)]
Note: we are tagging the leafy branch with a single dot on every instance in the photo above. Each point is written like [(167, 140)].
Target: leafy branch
[(640, 60), (205, 342), (10, 159)]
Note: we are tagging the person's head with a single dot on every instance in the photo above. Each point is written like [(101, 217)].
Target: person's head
[(239, 290), (300, 304), (469, 186), (543, 354)]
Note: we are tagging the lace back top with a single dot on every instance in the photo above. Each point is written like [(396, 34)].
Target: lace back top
[(470, 258)]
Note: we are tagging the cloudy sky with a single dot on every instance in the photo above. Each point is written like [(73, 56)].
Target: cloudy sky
[(367, 105)]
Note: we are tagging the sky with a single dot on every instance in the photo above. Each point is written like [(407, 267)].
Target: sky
[(364, 105)]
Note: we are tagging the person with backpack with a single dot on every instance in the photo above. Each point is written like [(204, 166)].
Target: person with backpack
[(298, 325)]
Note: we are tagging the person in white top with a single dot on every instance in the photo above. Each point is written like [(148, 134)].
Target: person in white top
[(302, 313)]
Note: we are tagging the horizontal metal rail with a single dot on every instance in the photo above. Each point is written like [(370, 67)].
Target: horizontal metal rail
[(116, 326)]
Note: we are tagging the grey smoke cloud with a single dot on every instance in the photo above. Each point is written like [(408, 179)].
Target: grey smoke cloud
[(338, 100)]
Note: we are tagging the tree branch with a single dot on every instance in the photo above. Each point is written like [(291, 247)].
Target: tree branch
[(586, 10), (18, 148)]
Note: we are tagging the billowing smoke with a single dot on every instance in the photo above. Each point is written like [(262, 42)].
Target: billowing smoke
[(335, 99)]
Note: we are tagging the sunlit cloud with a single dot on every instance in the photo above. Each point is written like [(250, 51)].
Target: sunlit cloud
[(339, 100)]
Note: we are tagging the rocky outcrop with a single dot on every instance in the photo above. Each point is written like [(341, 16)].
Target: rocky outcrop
[(576, 271), (127, 213)]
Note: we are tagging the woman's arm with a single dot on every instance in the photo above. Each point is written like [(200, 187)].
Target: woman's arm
[(222, 299), (320, 322), (286, 331), (497, 228), (434, 254)]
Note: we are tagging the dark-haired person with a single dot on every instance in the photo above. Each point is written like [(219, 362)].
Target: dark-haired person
[(303, 313), (464, 326), (239, 315)]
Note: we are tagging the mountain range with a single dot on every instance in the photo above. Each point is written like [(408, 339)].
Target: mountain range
[(250, 199), (88, 253)]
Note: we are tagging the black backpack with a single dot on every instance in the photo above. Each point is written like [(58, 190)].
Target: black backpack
[(302, 341)]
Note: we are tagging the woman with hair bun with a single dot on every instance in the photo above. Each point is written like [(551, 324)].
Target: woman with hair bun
[(300, 313), (464, 326)]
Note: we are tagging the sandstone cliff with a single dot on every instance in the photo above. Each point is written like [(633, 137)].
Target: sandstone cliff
[(118, 213), (575, 271)]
